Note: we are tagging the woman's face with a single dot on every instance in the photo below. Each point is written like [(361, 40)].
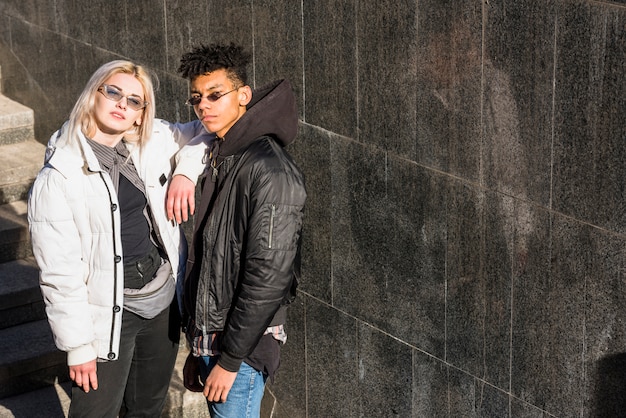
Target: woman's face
[(114, 117)]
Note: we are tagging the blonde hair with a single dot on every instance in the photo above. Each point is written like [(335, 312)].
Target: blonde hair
[(82, 116)]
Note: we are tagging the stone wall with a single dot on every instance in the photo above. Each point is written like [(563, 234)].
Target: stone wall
[(464, 247)]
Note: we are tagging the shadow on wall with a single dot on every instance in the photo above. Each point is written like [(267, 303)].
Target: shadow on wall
[(609, 399), (19, 84)]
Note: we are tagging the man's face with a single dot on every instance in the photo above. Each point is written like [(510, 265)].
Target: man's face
[(221, 104)]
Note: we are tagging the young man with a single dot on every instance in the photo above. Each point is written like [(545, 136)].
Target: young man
[(244, 260)]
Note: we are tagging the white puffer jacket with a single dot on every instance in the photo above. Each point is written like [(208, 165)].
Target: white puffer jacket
[(74, 220)]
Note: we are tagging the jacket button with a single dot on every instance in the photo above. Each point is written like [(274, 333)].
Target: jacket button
[(111, 356), (113, 207), (116, 308), (118, 258)]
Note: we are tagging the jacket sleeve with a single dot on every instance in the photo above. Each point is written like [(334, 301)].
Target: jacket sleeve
[(274, 224), (57, 250), (190, 141)]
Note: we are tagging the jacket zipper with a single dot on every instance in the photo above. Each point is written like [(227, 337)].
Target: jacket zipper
[(212, 228), (273, 214)]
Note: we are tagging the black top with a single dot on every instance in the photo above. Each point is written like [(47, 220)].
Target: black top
[(135, 228)]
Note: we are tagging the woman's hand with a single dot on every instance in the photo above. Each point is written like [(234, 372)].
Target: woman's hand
[(84, 375)]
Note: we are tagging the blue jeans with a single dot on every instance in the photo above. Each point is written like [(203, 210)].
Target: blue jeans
[(244, 398)]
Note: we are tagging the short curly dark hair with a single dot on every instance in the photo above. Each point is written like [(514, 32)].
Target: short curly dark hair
[(206, 59)]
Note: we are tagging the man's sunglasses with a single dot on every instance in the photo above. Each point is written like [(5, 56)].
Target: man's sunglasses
[(213, 97)]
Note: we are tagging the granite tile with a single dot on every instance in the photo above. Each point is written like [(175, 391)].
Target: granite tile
[(387, 66), (194, 23), (518, 69), (531, 310), (5, 35), (549, 322), (604, 332), (358, 228), (100, 23), (45, 88), (464, 281), (332, 368), (430, 386), (449, 87), (40, 13), (461, 394), (311, 151), (69, 21), (171, 93), (141, 42), (484, 250), (330, 66), (14, 83), (278, 52), (413, 308), (389, 245), (499, 257), (385, 374), (186, 27), (232, 21), (491, 401), (289, 385), (590, 104), (521, 409)]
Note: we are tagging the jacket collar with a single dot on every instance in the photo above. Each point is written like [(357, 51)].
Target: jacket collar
[(66, 155)]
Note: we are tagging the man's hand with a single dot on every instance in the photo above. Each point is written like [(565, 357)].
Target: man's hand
[(191, 374), (180, 199), (85, 375), (218, 384)]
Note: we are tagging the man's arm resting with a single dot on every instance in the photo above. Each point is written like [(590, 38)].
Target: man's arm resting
[(190, 165)]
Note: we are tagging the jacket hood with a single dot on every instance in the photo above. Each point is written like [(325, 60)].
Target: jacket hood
[(272, 111), (63, 153)]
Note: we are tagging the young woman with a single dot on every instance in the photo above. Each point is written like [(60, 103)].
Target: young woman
[(109, 257)]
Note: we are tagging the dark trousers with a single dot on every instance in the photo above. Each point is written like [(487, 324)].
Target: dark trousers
[(139, 379)]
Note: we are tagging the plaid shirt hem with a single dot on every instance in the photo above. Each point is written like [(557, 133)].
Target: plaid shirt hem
[(208, 344)]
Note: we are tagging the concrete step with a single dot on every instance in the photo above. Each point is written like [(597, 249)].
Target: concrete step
[(29, 360), (54, 400), (16, 122), (19, 165), (51, 402), (20, 296), (14, 236), (33, 373)]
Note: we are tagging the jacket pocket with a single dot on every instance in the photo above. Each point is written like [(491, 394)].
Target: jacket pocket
[(283, 226)]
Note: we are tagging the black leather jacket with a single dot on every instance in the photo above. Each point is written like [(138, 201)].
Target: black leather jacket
[(250, 238)]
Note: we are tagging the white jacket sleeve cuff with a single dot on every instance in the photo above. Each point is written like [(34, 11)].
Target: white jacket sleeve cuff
[(81, 355)]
